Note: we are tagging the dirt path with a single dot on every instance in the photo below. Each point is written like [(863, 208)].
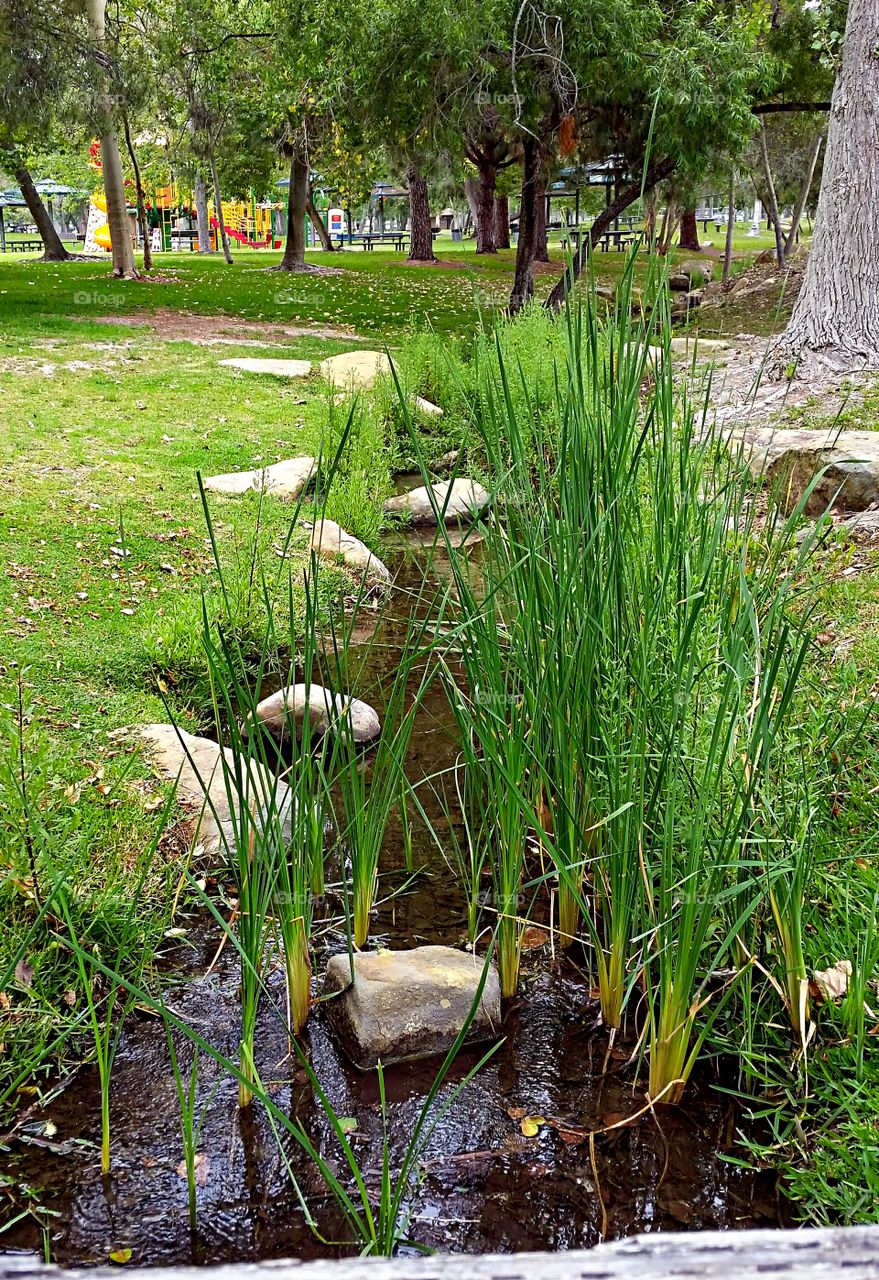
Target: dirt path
[(201, 330)]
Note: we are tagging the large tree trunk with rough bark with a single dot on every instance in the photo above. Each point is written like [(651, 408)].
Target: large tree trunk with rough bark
[(218, 203), (541, 246), (803, 197), (502, 222), (689, 235), (201, 214), (53, 249), (836, 316), (294, 245), (111, 163), (117, 208), (485, 225), (523, 281), (625, 197), (421, 232)]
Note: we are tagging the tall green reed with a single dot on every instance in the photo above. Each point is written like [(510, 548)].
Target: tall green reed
[(641, 625)]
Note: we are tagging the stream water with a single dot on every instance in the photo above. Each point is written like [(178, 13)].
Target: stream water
[(484, 1185)]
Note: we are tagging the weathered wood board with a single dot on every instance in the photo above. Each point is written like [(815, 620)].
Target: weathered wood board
[(850, 1252)]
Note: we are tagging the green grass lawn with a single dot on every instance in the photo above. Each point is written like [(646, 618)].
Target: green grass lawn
[(377, 292), (105, 552)]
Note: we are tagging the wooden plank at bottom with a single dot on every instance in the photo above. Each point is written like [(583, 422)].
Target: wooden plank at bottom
[(850, 1252)]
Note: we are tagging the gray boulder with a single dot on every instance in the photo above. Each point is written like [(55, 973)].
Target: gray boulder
[(404, 1005), (446, 463), (697, 270), (209, 791), (330, 540), (428, 408), (463, 500), (325, 711), (790, 459), (355, 369), (284, 479)]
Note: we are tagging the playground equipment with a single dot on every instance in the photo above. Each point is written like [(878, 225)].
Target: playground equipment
[(172, 221), (97, 231)]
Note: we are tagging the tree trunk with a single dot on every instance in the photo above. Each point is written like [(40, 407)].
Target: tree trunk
[(117, 208), (689, 237), (53, 249), (502, 222), (804, 195), (421, 241), (471, 191), (141, 206), (650, 207), (837, 311), (623, 199), (668, 227), (111, 163), (523, 281), (730, 227), (294, 246), (218, 202), (772, 199), (318, 223), (541, 248), (485, 226), (201, 214)]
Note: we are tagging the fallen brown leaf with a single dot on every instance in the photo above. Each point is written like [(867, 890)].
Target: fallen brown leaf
[(832, 983)]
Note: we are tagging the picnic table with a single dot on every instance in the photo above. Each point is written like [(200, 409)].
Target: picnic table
[(619, 238), (184, 233), (34, 245), (369, 239)]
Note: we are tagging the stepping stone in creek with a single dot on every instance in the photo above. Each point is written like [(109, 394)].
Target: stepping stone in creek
[(196, 765), (331, 540), (360, 369), (282, 479), (275, 368), (325, 710), (412, 1004), (462, 499)]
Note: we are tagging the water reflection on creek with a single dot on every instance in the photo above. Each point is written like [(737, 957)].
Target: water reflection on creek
[(485, 1186)]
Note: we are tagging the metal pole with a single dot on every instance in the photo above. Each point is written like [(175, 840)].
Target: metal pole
[(2, 232)]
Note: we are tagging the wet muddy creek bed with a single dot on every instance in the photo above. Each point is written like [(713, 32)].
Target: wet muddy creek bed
[(484, 1185)]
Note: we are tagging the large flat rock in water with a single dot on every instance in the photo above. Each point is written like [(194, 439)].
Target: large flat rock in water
[(275, 368), (326, 710), (845, 462), (330, 540), (284, 479), (355, 369), (409, 1004), (454, 500)]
